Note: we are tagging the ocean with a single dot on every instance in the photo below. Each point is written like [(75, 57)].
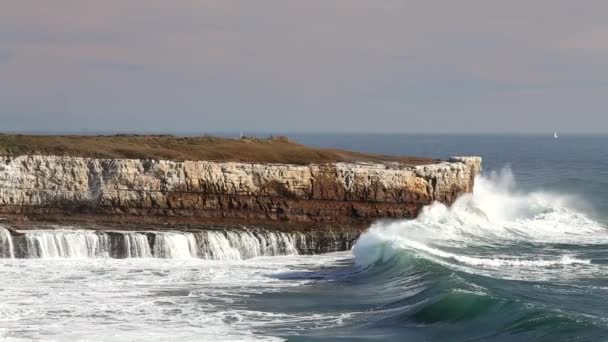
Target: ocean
[(524, 257)]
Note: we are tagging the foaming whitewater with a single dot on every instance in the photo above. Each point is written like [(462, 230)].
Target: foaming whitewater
[(485, 228), (79, 244), (504, 263), (501, 263), (175, 245), (136, 245), (70, 284), (69, 242)]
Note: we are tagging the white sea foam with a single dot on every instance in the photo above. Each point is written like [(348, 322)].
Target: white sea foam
[(138, 299), (494, 216)]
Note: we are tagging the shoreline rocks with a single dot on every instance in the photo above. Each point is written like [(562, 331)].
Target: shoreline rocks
[(314, 196)]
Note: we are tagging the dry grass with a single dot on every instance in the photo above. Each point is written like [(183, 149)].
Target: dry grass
[(271, 150)]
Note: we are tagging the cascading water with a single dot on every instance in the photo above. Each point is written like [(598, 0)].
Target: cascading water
[(6, 244), (137, 246), (216, 246), (175, 245), (65, 244), (211, 244)]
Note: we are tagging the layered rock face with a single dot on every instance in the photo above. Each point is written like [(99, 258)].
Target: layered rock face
[(227, 192)]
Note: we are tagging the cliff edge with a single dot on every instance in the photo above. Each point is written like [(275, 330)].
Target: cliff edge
[(315, 195)]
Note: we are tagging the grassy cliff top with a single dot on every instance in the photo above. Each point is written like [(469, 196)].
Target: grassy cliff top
[(263, 150)]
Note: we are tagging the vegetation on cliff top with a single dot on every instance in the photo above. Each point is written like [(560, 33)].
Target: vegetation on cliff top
[(267, 150)]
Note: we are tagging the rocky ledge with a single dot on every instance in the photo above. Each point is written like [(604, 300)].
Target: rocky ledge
[(313, 196)]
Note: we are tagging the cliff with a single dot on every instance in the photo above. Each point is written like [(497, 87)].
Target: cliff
[(204, 192)]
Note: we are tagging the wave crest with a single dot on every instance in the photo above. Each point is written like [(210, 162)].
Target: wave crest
[(479, 229)]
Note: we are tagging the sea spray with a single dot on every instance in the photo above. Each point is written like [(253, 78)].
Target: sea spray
[(478, 229)]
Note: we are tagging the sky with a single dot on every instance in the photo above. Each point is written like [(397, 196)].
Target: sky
[(303, 66)]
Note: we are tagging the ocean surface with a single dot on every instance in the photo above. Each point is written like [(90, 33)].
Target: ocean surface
[(524, 257)]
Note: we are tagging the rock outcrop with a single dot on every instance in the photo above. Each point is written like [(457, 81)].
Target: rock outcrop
[(44, 187)]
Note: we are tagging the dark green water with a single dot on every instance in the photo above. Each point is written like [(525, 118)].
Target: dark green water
[(523, 258)]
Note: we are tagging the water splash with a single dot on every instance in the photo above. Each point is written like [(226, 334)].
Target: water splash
[(6, 244), (136, 245), (65, 244), (479, 228), (175, 245), (211, 244)]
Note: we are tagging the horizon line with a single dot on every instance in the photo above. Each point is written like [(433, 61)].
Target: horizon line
[(287, 132)]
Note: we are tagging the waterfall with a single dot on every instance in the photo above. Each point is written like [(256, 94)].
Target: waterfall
[(65, 244), (233, 245), (175, 245), (206, 244), (6, 244), (216, 246), (136, 245)]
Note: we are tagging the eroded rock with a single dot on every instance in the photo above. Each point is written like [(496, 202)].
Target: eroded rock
[(202, 191)]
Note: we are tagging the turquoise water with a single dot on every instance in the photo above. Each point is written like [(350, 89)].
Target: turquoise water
[(523, 258)]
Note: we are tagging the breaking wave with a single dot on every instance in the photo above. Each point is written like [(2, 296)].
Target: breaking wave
[(499, 261), (481, 228)]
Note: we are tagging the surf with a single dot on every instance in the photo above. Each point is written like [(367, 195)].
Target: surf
[(498, 256), (495, 215)]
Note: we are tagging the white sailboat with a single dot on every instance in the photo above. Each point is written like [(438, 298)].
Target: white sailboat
[(555, 134)]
